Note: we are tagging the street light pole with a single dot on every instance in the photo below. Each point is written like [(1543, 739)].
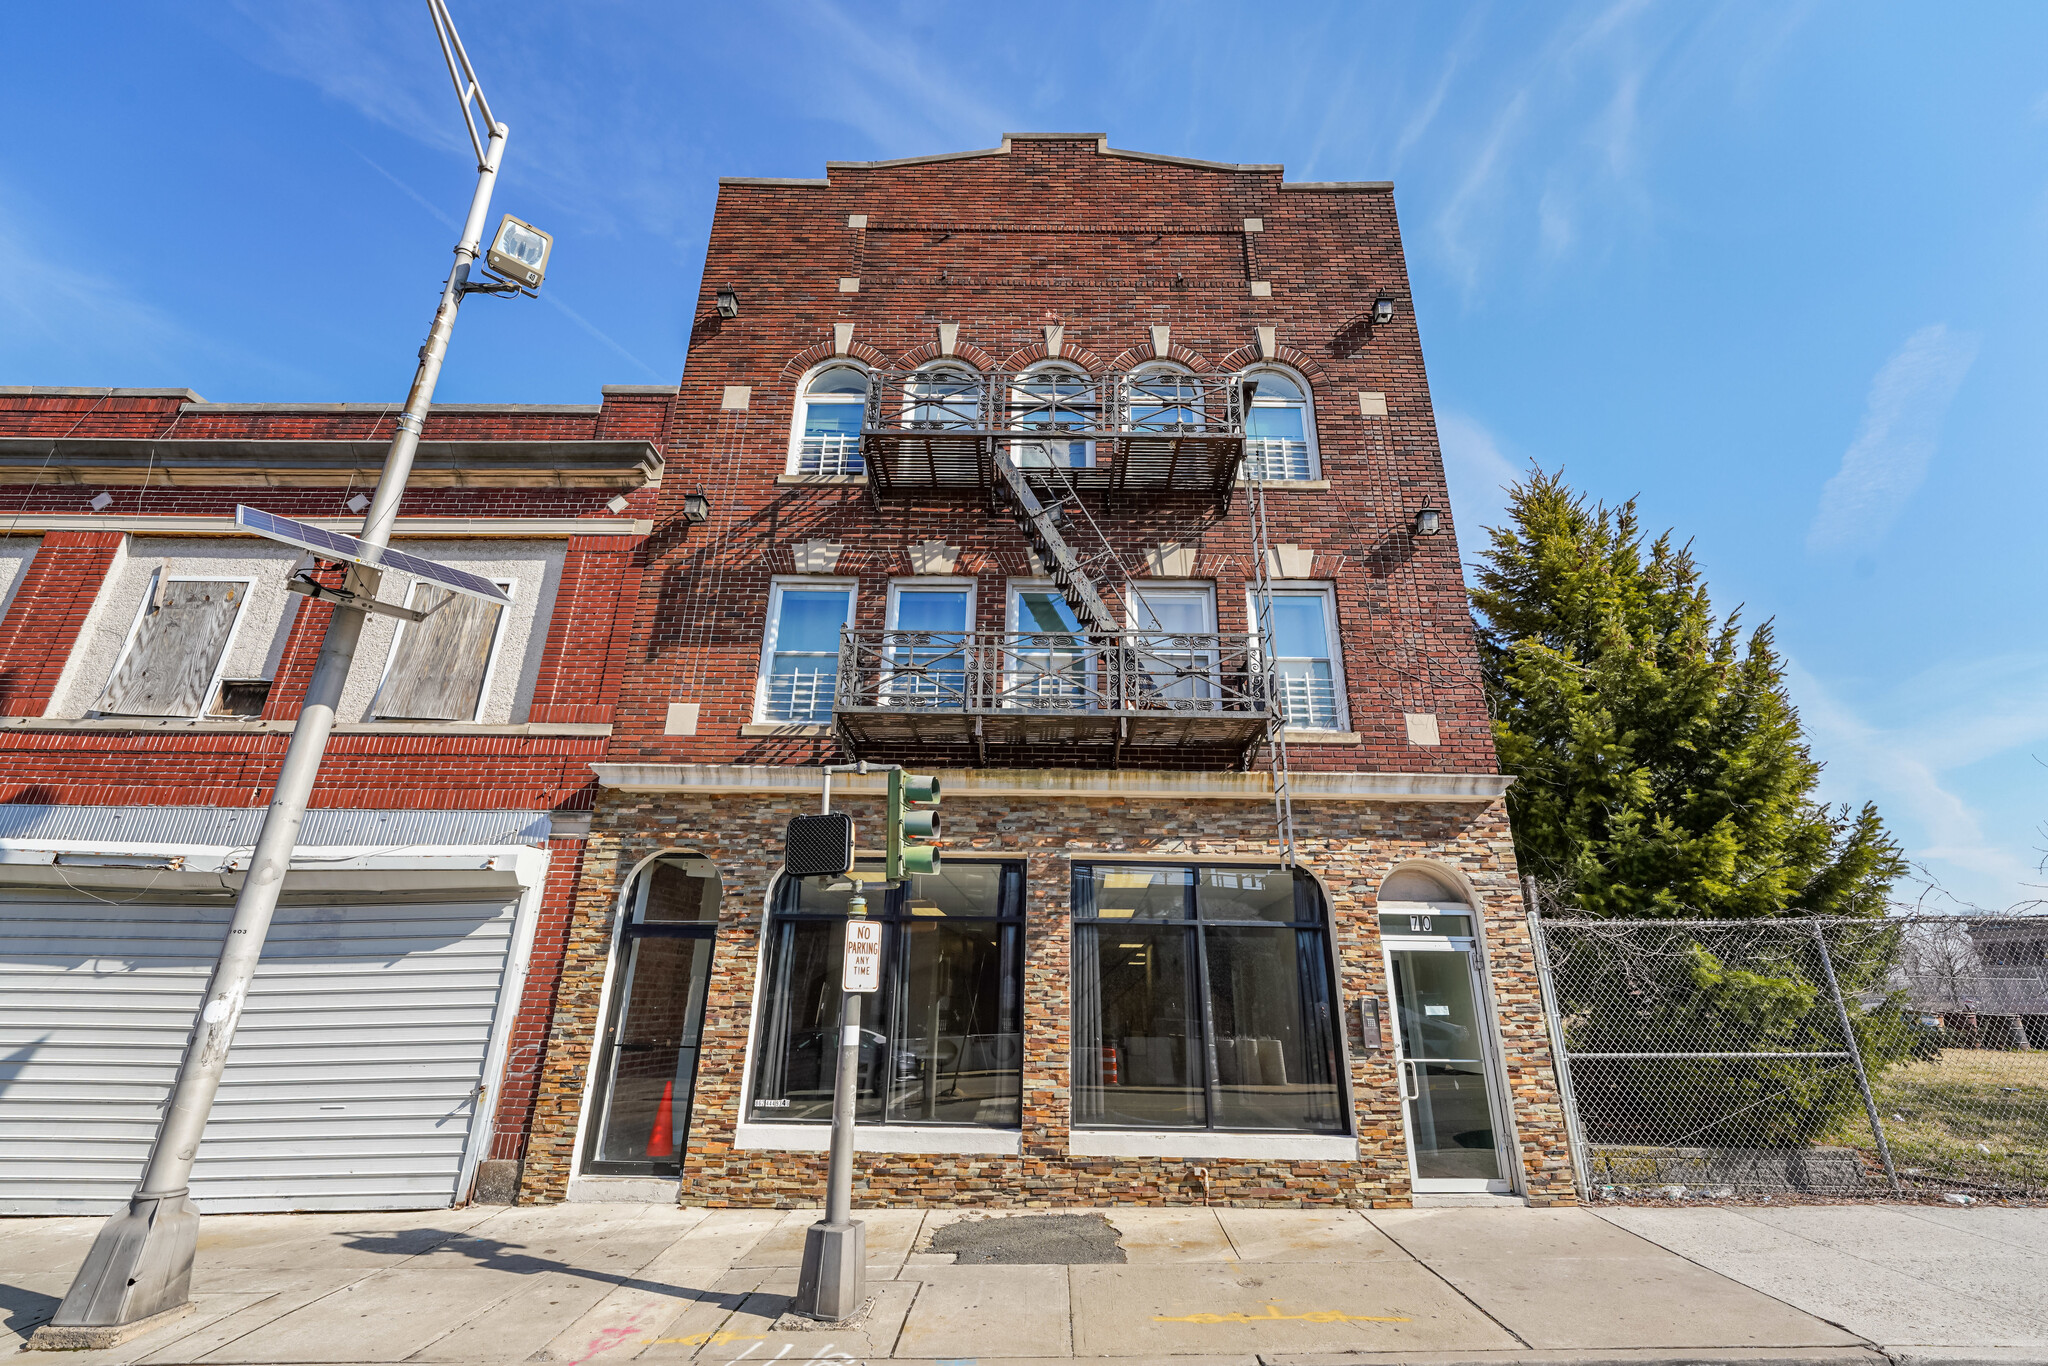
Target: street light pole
[(139, 1271)]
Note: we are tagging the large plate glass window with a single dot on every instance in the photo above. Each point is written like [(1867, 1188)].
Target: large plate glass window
[(800, 658), (1279, 429), (1048, 666), (439, 667), (942, 1042), (1310, 677), (171, 663), (829, 419), (1176, 647), (1203, 1000), (647, 1056), (1054, 398), (932, 624)]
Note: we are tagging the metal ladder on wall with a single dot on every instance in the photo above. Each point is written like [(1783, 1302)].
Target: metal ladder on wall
[(1269, 666)]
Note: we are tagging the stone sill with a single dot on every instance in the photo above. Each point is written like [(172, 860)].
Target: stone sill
[(1323, 737), (798, 730), (821, 479), (1184, 1143), (1291, 485), (648, 1190), (186, 725), (931, 1139)]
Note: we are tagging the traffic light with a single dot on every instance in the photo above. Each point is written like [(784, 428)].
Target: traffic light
[(911, 816)]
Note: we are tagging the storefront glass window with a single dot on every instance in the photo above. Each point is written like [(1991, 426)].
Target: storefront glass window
[(1202, 999), (942, 1042)]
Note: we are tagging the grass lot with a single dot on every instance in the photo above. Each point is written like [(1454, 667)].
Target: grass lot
[(1973, 1115)]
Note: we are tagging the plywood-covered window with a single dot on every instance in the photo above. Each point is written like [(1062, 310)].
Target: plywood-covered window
[(440, 666), (171, 662)]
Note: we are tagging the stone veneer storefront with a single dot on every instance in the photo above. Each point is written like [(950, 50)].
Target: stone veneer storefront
[(1352, 831)]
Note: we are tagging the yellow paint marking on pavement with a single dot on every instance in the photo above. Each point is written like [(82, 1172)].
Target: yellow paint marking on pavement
[(716, 1337), (1273, 1314)]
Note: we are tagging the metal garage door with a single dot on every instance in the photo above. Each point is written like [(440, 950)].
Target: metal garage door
[(353, 1079)]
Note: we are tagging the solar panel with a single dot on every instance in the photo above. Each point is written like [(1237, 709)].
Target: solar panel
[(332, 545)]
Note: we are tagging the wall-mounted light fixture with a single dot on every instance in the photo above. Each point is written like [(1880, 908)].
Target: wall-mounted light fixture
[(1428, 522), (696, 507), (728, 302), (1383, 309)]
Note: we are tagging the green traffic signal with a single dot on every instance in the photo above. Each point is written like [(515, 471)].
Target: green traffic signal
[(910, 817)]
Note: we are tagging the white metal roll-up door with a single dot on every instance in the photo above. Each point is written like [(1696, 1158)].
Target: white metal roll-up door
[(353, 1079)]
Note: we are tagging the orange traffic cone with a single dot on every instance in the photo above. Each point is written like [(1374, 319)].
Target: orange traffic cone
[(662, 1142)]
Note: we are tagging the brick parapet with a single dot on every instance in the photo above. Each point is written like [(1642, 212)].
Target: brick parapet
[(1350, 848)]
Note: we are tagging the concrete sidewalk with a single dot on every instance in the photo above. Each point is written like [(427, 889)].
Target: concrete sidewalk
[(604, 1284)]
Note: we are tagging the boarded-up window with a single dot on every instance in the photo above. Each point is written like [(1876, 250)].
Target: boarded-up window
[(176, 650), (438, 665)]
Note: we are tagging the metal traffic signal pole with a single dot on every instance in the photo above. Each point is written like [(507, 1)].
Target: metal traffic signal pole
[(139, 1270)]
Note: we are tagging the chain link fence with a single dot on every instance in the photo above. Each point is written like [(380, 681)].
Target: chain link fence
[(1828, 1058)]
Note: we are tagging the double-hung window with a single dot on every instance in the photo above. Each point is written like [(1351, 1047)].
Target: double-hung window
[(1047, 663), (942, 1042), (440, 666), (800, 657), (931, 624), (171, 663), (1053, 399), (829, 416), (1203, 999), (1174, 642), (1308, 674), (1279, 429)]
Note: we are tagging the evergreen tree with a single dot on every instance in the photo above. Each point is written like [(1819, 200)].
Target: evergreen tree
[(1660, 767)]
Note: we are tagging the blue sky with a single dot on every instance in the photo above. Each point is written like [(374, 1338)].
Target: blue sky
[(1777, 268)]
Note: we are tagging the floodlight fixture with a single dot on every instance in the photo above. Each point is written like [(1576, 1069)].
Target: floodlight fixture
[(519, 253), (1383, 309), (728, 302), (696, 507)]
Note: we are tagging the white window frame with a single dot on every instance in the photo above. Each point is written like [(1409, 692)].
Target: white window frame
[(1016, 399), (1328, 592), (800, 414), (943, 582), (772, 627), (1308, 417), (945, 365), (158, 577), (1013, 625), (510, 587), (1167, 367), (1203, 588)]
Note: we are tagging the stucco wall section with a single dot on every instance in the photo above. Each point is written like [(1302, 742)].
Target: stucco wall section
[(1350, 846)]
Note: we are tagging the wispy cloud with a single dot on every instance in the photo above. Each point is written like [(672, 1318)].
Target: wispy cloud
[(1968, 724), (1478, 475), (1901, 429)]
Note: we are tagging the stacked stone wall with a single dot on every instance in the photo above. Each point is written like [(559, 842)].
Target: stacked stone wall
[(1350, 847)]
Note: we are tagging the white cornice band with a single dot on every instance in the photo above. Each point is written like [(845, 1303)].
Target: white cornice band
[(1085, 784)]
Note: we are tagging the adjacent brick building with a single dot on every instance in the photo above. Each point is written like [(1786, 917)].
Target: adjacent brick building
[(964, 475), (152, 664)]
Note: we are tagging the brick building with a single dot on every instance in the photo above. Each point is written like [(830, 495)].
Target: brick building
[(993, 464), (152, 663)]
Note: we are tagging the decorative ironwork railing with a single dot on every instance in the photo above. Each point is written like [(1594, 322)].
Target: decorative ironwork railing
[(1028, 406), (1162, 672)]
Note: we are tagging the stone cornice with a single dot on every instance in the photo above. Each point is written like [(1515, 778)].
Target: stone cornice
[(1084, 784)]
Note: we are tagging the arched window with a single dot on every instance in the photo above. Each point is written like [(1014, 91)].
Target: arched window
[(944, 398), (647, 1059), (1055, 398), (1163, 398), (1279, 429), (828, 421)]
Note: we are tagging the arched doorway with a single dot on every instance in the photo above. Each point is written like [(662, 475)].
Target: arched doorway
[(647, 1056), (1445, 1052)]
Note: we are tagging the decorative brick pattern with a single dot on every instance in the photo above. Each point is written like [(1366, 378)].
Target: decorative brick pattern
[(1350, 847)]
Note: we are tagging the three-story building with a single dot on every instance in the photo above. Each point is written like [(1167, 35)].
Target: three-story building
[(1107, 486)]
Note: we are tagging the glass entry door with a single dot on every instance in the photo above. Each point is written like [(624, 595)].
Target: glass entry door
[(647, 1064), (1443, 1049)]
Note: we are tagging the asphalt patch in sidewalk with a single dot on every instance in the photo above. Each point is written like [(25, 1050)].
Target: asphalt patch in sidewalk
[(1031, 1240)]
